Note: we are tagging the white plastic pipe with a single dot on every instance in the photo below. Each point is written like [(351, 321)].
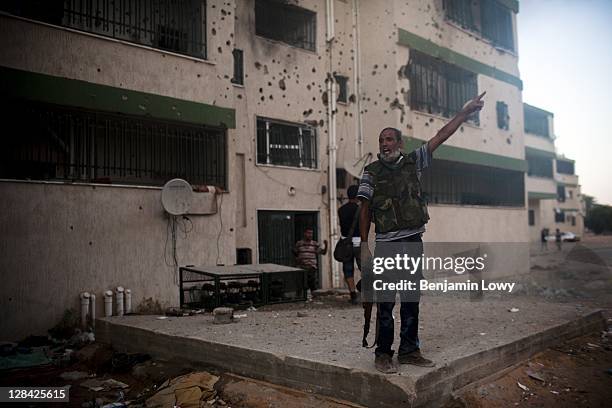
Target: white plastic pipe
[(92, 310), (108, 303), (128, 301), (84, 309), (119, 300)]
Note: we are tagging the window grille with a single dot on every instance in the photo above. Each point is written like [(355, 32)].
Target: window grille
[(173, 25), (440, 88), (59, 143), (286, 144), (559, 216), (536, 122), (539, 166), (290, 24), (565, 167), (468, 184), (489, 18), (561, 193)]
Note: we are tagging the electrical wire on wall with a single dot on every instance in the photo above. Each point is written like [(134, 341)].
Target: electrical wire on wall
[(220, 207), (175, 223)]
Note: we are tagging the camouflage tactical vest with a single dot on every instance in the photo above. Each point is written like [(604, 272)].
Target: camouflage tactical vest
[(397, 203)]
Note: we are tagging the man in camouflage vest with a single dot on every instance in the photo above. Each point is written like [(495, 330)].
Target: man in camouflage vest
[(391, 197)]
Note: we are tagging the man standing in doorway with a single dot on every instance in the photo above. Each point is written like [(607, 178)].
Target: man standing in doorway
[(391, 197), (306, 253)]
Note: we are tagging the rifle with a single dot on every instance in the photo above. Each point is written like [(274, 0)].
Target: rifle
[(367, 317)]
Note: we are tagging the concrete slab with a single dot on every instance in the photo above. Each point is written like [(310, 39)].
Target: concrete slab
[(322, 352)]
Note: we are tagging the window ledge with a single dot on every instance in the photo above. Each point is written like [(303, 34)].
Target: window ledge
[(478, 36), (445, 119), (492, 207), (278, 166), (115, 40)]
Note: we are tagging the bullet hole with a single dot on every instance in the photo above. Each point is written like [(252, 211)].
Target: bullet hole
[(352, 98), (90, 243), (385, 111), (271, 97), (257, 65), (288, 105), (345, 113), (484, 140), (387, 99), (385, 66), (260, 90), (281, 85), (324, 98), (314, 99), (98, 69), (375, 103), (426, 124), (461, 128), (239, 96), (269, 83), (321, 123), (508, 140), (307, 112), (228, 43), (373, 73), (266, 70), (314, 70), (198, 75), (285, 70), (308, 87), (71, 227), (430, 120), (219, 50), (375, 66), (213, 31), (224, 12), (273, 61), (226, 76), (140, 207), (263, 98)]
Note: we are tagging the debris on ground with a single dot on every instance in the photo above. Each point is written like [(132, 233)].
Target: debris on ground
[(522, 387), (223, 315), (190, 390), (513, 310), (74, 375), (24, 357)]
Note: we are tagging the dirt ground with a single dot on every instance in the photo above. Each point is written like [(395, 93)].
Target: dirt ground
[(575, 373)]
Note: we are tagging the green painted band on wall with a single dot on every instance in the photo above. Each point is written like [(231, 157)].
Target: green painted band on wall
[(511, 4), (566, 159), (410, 40), (538, 152), (541, 111), (71, 92), (534, 195), (458, 154), (562, 183)]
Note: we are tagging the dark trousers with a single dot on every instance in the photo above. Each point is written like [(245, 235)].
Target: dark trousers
[(409, 319)]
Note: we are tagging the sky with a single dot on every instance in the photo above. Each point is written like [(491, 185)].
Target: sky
[(565, 61)]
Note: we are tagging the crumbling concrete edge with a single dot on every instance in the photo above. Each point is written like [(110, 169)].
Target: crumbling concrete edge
[(436, 386), (371, 389)]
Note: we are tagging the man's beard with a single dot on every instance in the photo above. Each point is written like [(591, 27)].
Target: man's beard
[(391, 156)]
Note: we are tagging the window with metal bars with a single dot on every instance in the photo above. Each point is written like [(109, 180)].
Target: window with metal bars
[(489, 18), (290, 24), (559, 216), (438, 87), (238, 77), (458, 183), (565, 167), (536, 121), (61, 143), (174, 25), (286, 144), (539, 166), (561, 193)]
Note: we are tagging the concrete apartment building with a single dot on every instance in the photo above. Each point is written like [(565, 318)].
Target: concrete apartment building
[(552, 185), (270, 101)]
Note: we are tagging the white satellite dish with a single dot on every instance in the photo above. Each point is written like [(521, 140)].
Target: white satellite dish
[(177, 196)]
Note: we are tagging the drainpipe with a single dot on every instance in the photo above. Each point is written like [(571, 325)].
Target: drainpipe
[(332, 149), (357, 76)]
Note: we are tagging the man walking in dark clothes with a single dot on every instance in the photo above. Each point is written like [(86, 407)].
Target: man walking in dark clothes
[(391, 197), (346, 215)]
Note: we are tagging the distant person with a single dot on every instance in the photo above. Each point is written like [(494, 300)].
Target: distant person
[(306, 253), (558, 239), (348, 216), (543, 236)]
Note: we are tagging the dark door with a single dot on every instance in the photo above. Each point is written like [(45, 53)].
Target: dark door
[(278, 231)]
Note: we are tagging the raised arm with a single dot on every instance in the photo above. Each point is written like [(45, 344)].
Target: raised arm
[(451, 127)]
